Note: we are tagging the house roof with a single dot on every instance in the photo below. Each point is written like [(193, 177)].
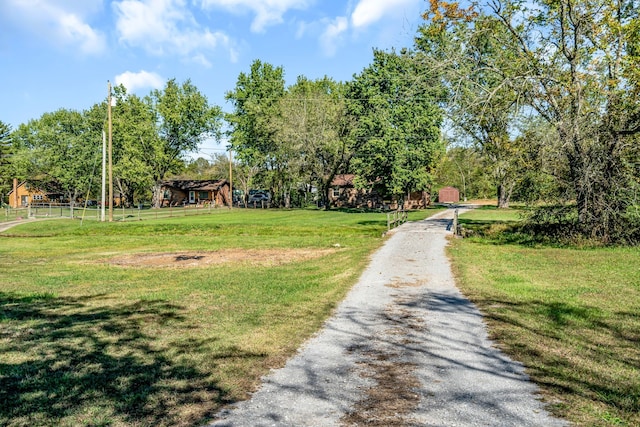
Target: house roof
[(195, 185), (47, 187), (343, 180)]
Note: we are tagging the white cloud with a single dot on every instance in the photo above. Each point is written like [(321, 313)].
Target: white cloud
[(202, 60), (368, 12), (140, 80), (61, 21), (166, 27), (268, 12), (330, 38)]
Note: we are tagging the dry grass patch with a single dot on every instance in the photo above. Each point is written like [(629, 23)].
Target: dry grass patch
[(393, 397), (191, 259), (398, 284)]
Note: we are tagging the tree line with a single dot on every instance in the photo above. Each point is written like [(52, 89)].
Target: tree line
[(535, 100), (289, 140)]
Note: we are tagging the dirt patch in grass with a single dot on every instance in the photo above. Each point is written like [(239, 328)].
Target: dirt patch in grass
[(261, 257)]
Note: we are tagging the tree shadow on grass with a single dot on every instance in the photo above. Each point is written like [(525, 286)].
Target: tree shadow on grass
[(79, 361), (574, 350)]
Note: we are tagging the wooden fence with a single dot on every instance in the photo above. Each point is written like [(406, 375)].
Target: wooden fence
[(396, 218), (94, 213)]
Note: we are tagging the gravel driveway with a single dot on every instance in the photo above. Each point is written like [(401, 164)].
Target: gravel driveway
[(404, 348)]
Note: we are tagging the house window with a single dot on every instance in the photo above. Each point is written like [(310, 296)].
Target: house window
[(37, 197), (203, 195), (336, 192), (167, 194)]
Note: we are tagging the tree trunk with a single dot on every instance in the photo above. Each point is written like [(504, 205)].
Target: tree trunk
[(503, 196), (157, 195), (426, 198)]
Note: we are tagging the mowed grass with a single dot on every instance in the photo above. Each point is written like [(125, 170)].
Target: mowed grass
[(86, 342), (571, 315)]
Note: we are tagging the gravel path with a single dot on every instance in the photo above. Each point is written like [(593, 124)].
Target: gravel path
[(404, 348)]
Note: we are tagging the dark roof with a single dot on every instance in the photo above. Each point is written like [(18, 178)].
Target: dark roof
[(195, 185)]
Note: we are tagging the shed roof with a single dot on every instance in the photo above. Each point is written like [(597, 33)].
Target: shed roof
[(195, 185)]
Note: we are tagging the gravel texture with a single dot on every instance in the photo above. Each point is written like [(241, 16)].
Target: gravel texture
[(405, 348)]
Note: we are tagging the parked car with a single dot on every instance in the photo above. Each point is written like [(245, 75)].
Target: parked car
[(258, 198)]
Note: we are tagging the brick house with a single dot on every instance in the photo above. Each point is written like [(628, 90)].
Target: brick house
[(195, 192)]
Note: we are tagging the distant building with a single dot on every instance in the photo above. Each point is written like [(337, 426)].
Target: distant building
[(195, 192), (449, 195), (26, 193), (343, 193)]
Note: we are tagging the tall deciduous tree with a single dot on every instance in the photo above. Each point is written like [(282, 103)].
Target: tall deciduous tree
[(468, 52), (183, 119), (574, 64), (60, 148), (135, 146), (397, 136), (253, 133), (314, 128), (573, 59)]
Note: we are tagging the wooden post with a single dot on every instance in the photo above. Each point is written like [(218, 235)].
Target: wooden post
[(15, 193), (455, 222)]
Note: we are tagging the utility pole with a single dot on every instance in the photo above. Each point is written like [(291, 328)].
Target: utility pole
[(230, 178), (110, 160), (104, 176)]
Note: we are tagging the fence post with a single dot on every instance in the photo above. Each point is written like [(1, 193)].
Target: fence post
[(455, 222)]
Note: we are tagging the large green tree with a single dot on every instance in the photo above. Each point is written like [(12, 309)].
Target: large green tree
[(576, 65), (183, 119), (468, 53), (60, 149), (253, 132), (397, 136), (314, 128), (135, 146)]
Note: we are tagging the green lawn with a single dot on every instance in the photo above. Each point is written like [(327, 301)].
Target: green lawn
[(571, 315), (87, 341)]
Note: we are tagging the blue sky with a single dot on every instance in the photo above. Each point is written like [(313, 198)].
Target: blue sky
[(61, 53)]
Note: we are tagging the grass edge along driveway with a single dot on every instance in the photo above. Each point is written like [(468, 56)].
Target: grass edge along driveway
[(571, 315)]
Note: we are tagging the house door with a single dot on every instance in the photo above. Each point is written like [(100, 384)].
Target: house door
[(192, 196), (24, 200)]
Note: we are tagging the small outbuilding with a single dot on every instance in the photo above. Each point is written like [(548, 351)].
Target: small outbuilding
[(449, 195)]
